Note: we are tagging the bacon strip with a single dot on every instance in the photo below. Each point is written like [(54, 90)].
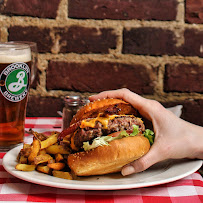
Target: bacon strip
[(68, 131)]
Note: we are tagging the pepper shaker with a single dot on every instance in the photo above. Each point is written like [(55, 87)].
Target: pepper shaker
[(72, 104)]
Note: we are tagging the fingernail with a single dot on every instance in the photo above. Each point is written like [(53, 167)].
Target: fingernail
[(128, 170), (91, 96)]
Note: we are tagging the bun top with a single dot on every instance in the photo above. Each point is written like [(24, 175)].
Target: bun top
[(105, 106)]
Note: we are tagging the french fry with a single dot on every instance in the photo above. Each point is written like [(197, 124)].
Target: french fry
[(42, 158), (19, 154), (57, 149), (42, 151), (51, 161), (35, 150), (59, 157), (55, 132), (25, 146), (22, 160), (26, 150), (25, 167), (61, 174), (56, 166), (44, 169), (39, 136), (49, 141), (45, 155)]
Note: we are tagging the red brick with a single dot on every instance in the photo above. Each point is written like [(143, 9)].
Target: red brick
[(194, 11), (35, 8), (39, 35), (44, 106), (183, 78), (86, 40), (148, 41), (193, 43), (192, 110), (123, 9), (100, 76)]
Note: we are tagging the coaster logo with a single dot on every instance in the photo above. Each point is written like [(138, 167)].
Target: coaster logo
[(16, 81)]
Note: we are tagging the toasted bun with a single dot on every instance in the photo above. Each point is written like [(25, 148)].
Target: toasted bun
[(92, 109), (109, 158)]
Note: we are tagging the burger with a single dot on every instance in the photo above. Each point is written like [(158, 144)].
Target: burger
[(104, 136)]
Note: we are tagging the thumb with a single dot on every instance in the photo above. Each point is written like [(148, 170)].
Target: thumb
[(141, 164)]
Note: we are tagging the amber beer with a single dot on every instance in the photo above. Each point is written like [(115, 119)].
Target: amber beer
[(15, 63)]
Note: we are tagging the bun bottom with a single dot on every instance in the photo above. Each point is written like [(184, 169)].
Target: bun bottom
[(109, 158)]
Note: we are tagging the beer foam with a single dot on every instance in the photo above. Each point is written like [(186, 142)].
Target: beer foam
[(14, 53)]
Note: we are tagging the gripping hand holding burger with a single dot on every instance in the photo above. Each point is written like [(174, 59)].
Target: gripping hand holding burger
[(175, 138), (104, 136)]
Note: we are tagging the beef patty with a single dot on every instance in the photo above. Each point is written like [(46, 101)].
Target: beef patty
[(114, 125)]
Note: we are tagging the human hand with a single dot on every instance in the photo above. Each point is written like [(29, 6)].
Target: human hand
[(174, 137)]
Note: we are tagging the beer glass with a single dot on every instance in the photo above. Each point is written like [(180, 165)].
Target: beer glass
[(34, 53), (15, 63)]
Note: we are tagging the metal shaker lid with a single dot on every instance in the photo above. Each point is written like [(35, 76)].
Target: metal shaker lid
[(72, 100)]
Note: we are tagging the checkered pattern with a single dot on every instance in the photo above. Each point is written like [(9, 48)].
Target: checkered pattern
[(187, 190)]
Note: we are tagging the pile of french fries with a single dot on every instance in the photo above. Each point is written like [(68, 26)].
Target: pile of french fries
[(45, 155)]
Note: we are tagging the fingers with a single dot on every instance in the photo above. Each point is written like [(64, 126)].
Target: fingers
[(152, 157), (140, 103), (108, 94), (124, 94)]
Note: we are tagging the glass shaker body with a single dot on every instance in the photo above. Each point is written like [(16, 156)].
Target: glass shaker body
[(72, 104)]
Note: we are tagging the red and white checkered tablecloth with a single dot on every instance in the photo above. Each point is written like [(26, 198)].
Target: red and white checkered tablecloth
[(12, 189)]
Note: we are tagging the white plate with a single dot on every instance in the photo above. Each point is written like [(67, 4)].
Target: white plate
[(161, 173)]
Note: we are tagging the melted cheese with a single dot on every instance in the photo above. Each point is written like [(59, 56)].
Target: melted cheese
[(103, 120)]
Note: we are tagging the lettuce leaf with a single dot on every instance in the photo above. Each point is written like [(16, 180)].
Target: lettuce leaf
[(135, 130), (149, 134)]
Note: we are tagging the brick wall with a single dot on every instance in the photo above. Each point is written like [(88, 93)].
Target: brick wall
[(152, 47)]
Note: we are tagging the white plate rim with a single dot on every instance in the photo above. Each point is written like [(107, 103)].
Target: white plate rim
[(9, 162)]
